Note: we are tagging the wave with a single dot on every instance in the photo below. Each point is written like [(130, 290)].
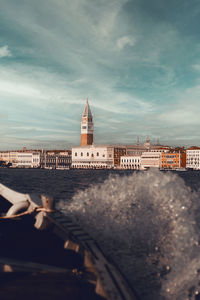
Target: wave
[(147, 222)]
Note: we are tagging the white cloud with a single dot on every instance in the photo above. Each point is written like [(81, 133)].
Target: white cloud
[(196, 67), (125, 41), (42, 129), (185, 110), (31, 85), (18, 89), (5, 52)]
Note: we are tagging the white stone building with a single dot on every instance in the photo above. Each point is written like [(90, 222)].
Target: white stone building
[(92, 156), (27, 160), (150, 160), (130, 162), (9, 156), (193, 158)]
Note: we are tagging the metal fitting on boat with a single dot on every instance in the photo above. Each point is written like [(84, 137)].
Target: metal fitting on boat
[(42, 222)]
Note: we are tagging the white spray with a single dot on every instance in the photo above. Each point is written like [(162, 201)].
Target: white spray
[(146, 223)]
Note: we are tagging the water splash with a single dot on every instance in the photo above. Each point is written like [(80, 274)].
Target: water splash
[(146, 223)]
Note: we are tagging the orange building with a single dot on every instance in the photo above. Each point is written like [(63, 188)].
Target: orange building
[(173, 160)]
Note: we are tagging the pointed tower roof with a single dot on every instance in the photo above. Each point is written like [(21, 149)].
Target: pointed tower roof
[(87, 111), (138, 141)]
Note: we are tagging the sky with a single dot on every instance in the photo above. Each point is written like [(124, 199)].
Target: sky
[(137, 61)]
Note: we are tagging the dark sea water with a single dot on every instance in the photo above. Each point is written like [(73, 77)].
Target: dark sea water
[(147, 222)]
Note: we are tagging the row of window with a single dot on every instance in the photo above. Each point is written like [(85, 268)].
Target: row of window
[(193, 151), (92, 155), (91, 166), (170, 160), (191, 158), (130, 160)]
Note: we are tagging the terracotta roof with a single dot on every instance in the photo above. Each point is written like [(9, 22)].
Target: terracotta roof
[(193, 148)]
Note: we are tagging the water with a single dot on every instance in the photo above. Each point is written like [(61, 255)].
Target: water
[(147, 222)]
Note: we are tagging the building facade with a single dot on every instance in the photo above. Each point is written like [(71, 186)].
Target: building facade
[(9, 156), (56, 160), (193, 158), (21, 159), (150, 160), (130, 162), (87, 126), (174, 159), (92, 156), (171, 160), (27, 160)]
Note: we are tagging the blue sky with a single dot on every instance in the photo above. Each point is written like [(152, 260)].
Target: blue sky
[(137, 61)]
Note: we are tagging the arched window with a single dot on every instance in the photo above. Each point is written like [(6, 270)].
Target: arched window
[(81, 153), (75, 153)]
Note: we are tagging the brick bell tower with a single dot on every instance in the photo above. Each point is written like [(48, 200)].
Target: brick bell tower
[(87, 126)]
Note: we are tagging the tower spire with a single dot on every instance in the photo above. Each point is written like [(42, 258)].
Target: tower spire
[(87, 127), (87, 111)]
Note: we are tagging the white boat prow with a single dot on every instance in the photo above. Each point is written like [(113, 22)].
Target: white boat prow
[(13, 196)]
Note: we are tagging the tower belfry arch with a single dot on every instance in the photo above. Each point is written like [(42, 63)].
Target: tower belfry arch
[(87, 126)]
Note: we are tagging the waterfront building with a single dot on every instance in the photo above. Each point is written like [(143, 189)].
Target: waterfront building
[(150, 160), (193, 158), (175, 159), (87, 126), (93, 156), (97, 156), (130, 162), (9, 156), (21, 158), (27, 160), (171, 160), (56, 159)]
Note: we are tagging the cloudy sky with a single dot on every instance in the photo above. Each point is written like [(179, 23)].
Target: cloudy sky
[(138, 62)]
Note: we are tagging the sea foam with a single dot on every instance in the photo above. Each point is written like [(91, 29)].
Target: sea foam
[(147, 223)]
